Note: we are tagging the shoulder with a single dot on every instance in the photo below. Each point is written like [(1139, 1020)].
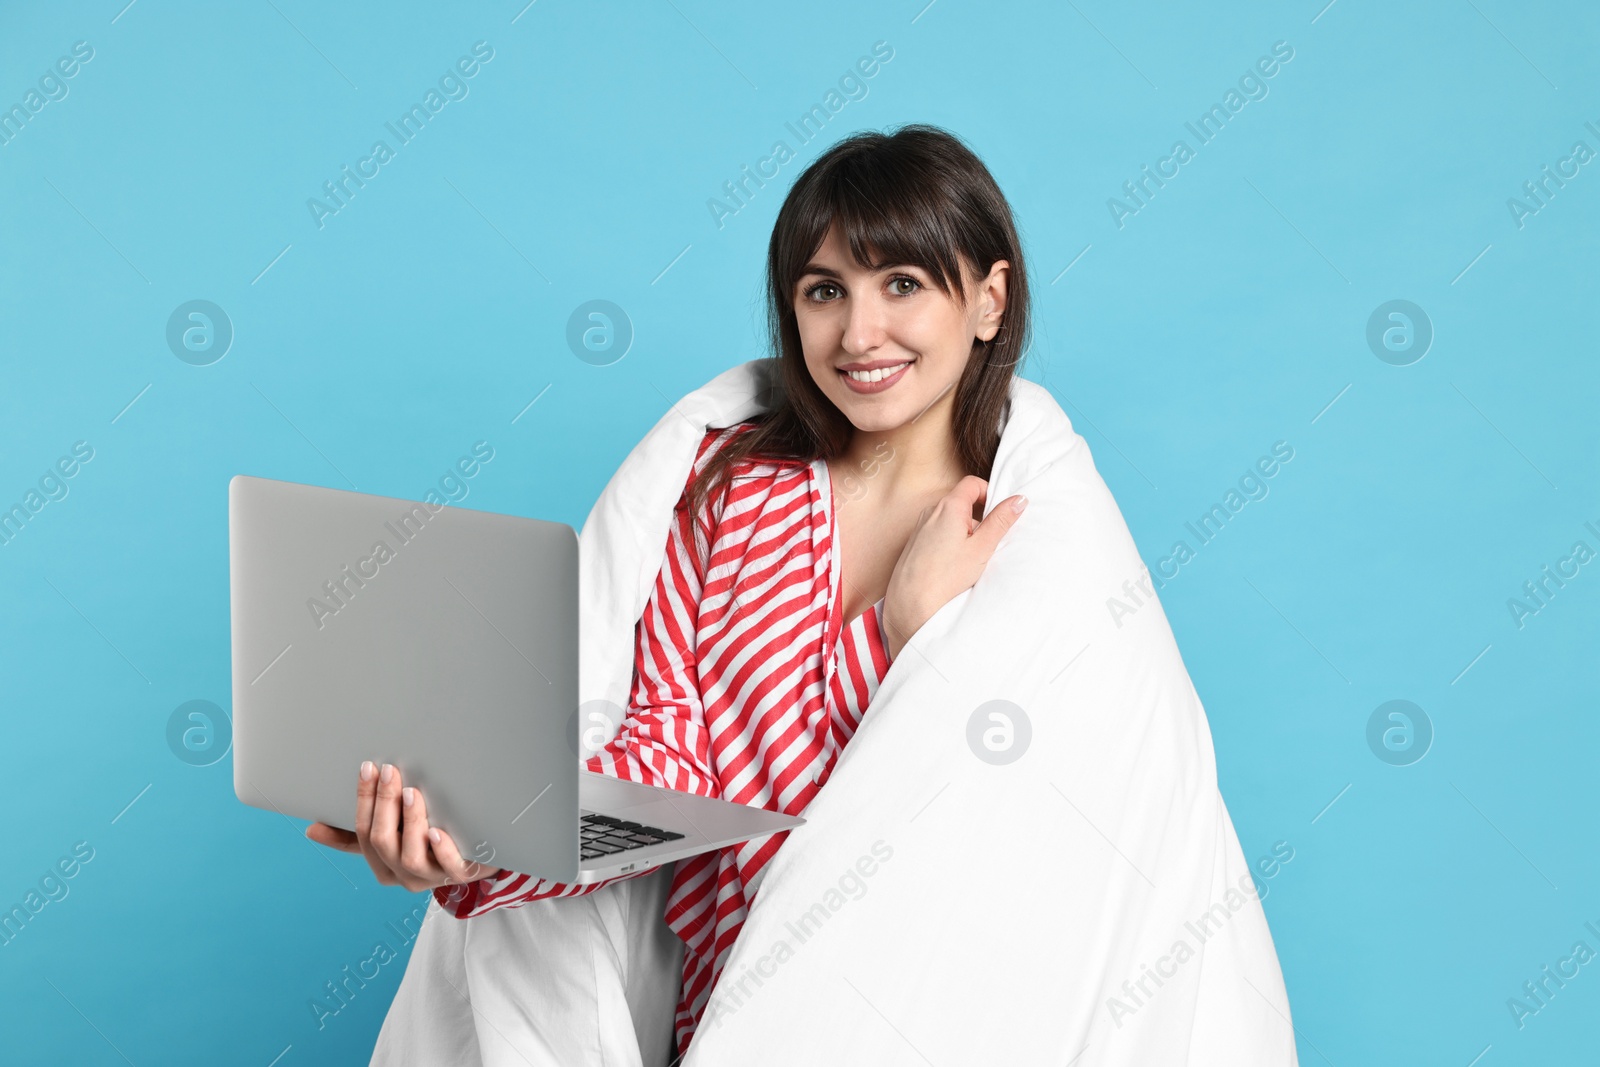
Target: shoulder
[(711, 496), (720, 438), (747, 472), (716, 439)]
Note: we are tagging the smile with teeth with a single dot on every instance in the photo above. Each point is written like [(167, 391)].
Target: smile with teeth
[(876, 375)]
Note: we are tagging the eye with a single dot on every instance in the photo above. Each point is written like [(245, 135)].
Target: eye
[(901, 285)]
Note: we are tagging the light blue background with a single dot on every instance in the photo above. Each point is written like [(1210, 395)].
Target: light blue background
[(1226, 315)]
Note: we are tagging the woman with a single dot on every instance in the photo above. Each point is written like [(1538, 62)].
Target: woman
[(898, 304)]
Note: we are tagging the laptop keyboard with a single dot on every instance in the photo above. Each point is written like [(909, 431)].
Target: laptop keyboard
[(601, 835)]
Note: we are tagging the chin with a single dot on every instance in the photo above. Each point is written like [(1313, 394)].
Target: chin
[(876, 418)]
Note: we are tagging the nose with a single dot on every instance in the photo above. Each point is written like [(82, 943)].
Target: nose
[(865, 326)]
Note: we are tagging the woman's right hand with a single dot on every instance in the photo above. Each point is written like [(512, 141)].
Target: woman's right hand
[(944, 556), (392, 832)]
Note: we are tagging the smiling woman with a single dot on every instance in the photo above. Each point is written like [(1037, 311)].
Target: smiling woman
[(893, 251), (898, 300), (898, 305)]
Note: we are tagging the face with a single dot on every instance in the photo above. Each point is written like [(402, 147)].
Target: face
[(893, 325)]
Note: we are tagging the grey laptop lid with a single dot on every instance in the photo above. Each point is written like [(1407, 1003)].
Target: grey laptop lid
[(442, 640)]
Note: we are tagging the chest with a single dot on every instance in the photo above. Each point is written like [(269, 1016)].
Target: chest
[(868, 541)]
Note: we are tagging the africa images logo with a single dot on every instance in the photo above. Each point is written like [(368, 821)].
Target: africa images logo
[(452, 85), (342, 588)]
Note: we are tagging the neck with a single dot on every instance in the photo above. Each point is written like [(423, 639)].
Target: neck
[(911, 460)]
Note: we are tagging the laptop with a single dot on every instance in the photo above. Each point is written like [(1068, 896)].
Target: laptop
[(442, 640)]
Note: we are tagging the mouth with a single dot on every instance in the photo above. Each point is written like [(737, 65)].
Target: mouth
[(878, 376)]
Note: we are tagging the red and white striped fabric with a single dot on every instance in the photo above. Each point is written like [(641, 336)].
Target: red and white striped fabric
[(747, 684)]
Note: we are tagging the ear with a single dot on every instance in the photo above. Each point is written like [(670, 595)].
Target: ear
[(993, 289)]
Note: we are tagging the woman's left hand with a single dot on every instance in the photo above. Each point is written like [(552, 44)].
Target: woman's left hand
[(392, 832)]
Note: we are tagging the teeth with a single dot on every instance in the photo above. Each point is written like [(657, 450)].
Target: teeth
[(875, 375)]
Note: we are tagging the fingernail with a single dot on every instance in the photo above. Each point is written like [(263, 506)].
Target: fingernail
[(388, 772), (433, 834), (1021, 503), (367, 770), (409, 792)]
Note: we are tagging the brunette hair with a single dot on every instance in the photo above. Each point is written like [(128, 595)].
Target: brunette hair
[(917, 196)]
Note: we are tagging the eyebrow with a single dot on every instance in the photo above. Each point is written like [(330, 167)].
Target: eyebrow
[(828, 272)]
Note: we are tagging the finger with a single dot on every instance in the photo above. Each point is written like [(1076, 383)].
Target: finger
[(448, 857), (415, 859), (333, 837), (995, 524), (970, 490), (962, 506), (366, 798), (366, 789), (384, 835)]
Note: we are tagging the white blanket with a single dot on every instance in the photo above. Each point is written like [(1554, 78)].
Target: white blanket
[(1085, 903), (1017, 898)]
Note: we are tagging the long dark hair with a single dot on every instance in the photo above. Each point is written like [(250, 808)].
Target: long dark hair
[(917, 196)]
